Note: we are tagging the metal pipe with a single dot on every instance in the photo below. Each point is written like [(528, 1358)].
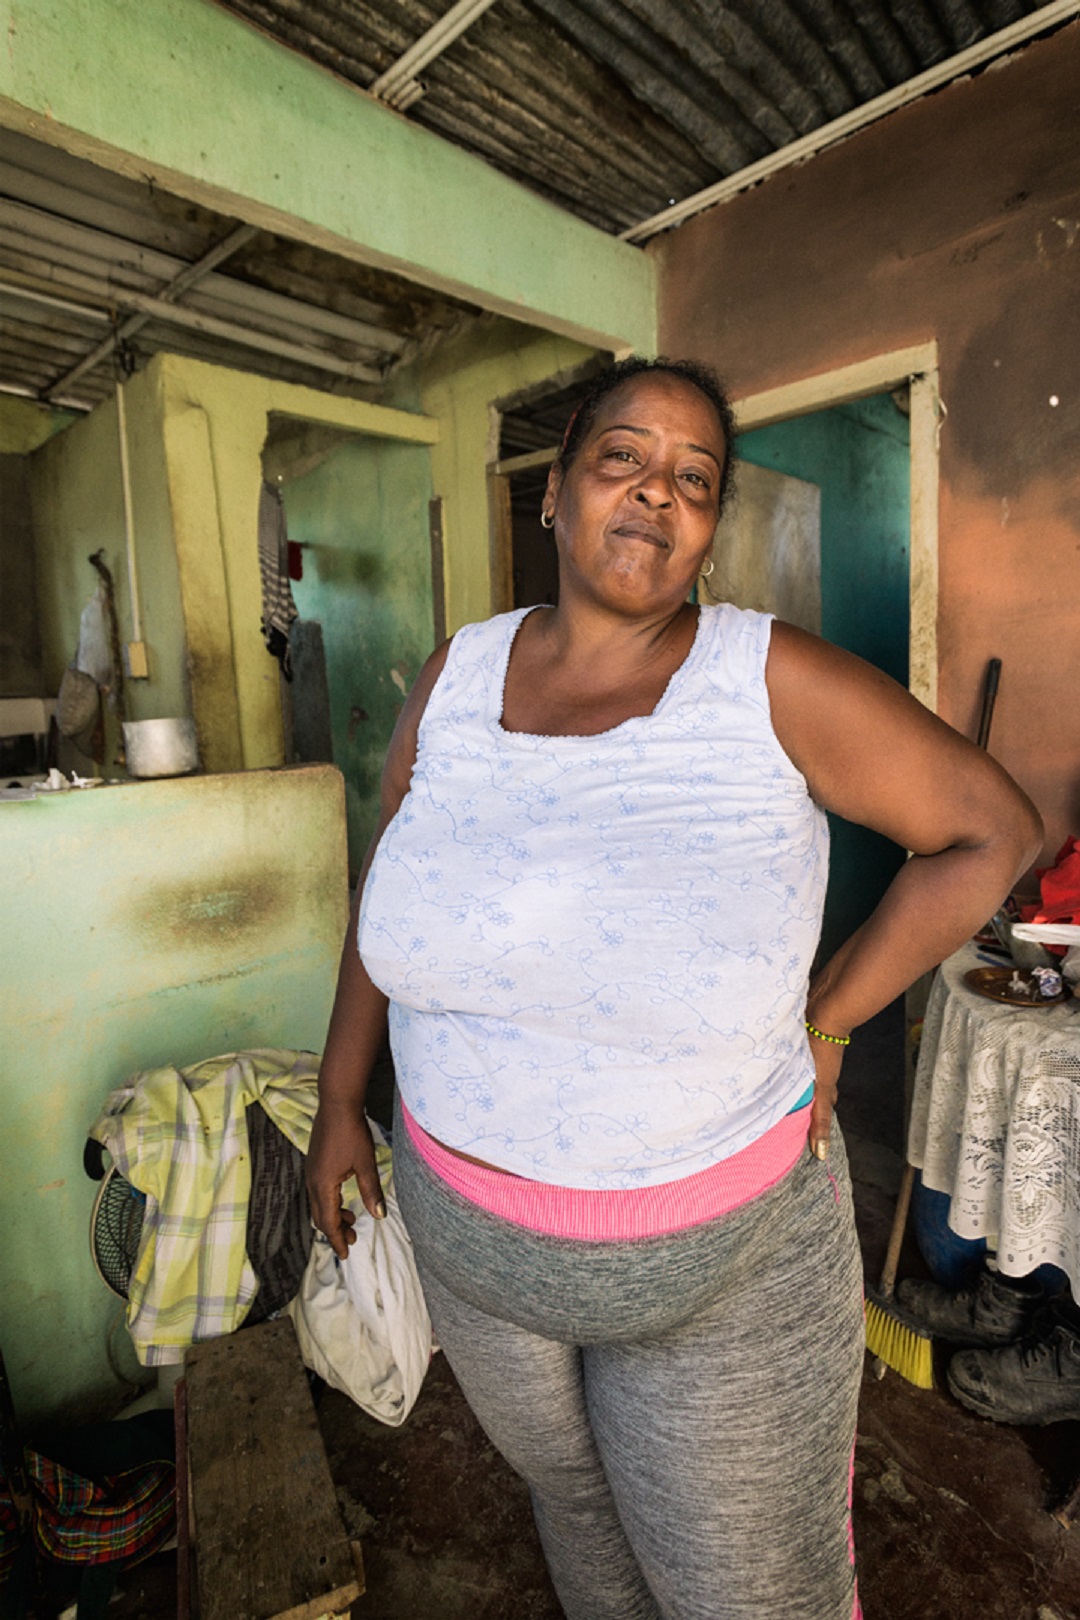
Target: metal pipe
[(20, 392), (129, 527), (176, 315), (397, 86), (954, 68), (50, 301), (187, 278), (249, 338)]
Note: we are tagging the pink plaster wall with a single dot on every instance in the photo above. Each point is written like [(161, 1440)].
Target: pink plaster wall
[(958, 219)]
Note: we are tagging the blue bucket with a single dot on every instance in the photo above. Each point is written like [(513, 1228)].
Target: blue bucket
[(954, 1260)]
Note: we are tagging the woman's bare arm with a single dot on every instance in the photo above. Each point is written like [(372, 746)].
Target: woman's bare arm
[(874, 755), (341, 1144)]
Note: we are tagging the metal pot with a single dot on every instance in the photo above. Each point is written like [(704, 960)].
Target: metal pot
[(161, 747)]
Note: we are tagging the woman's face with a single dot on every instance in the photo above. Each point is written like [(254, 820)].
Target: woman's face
[(636, 510)]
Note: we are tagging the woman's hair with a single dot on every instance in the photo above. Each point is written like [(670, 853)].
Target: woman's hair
[(699, 376)]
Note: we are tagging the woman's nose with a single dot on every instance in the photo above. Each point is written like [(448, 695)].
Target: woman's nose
[(654, 488)]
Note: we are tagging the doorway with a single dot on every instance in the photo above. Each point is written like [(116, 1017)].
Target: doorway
[(867, 436), (857, 455), (524, 566)]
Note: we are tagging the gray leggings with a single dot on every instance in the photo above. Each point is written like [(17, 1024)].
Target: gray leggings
[(682, 1408)]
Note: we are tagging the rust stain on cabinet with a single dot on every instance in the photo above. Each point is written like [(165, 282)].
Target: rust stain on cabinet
[(204, 915)]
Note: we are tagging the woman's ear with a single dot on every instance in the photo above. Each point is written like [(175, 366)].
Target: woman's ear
[(551, 493)]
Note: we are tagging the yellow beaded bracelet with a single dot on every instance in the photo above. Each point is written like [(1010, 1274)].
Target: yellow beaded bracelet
[(835, 1040)]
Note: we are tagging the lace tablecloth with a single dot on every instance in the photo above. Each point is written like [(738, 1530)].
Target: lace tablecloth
[(995, 1121)]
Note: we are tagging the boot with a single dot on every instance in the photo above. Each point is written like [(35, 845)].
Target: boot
[(1035, 1381), (991, 1311)]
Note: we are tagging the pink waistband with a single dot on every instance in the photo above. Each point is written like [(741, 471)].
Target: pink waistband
[(638, 1212)]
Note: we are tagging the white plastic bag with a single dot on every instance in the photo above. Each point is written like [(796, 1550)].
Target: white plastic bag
[(362, 1324)]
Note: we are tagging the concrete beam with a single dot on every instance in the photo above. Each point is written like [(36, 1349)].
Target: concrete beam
[(186, 94)]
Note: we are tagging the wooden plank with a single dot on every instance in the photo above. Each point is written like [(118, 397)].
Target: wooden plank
[(438, 569), (530, 459), (183, 1504), (501, 543), (269, 1541), (837, 387)]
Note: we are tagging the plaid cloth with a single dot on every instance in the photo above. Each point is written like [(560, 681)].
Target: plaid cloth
[(77, 1521), (180, 1137)]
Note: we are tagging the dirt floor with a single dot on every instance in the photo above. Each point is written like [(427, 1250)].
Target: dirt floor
[(952, 1513)]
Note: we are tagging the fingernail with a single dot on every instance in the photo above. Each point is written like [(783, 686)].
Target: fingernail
[(820, 1150), (380, 1211)]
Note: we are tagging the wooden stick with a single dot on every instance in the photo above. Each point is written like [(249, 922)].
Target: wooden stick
[(1069, 1511), (896, 1236)]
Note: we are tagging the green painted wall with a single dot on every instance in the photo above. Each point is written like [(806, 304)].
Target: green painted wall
[(214, 424), (362, 516), (147, 923), (77, 508), (858, 455), (186, 92)]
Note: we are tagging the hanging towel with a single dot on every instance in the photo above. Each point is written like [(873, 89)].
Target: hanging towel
[(180, 1136), (278, 607), (362, 1324)]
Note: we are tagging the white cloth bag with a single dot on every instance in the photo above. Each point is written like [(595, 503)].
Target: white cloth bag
[(362, 1324)]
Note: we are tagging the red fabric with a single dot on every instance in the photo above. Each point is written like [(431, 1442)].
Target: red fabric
[(1059, 890), (296, 560), (125, 1516)]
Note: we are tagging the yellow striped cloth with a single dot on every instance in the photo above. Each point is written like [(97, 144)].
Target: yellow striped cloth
[(180, 1136)]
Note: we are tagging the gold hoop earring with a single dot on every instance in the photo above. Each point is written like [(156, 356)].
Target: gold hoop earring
[(707, 567), (546, 520)]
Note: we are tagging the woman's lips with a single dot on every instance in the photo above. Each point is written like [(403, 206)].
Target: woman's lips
[(643, 531)]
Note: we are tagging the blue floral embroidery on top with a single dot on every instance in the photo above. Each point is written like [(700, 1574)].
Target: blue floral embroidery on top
[(627, 920)]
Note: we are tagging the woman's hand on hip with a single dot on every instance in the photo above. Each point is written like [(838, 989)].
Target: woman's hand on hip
[(828, 1059), (341, 1146)]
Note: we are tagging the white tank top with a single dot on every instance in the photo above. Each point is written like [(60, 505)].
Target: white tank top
[(597, 948)]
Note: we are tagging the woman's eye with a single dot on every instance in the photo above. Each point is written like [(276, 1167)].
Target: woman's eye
[(697, 479)]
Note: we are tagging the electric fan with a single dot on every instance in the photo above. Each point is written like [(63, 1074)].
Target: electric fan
[(115, 1227)]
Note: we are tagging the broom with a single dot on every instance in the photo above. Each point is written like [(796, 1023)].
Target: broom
[(890, 1339)]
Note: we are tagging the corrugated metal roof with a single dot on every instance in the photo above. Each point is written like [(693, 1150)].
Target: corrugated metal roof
[(612, 109), (91, 259), (616, 108)]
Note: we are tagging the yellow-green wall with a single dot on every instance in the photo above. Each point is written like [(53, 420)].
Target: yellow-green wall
[(214, 423), (24, 425), (146, 923), (77, 509), (196, 435), (459, 386)]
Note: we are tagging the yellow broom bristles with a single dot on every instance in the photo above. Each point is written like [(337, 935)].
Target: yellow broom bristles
[(900, 1347)]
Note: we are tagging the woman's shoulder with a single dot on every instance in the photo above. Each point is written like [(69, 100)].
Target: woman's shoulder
[(727, 619), (482, 634), (735, 638)]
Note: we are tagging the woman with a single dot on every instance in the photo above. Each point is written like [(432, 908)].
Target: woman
[(595, 894)]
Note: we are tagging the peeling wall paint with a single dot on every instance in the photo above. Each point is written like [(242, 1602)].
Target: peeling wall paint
[(905, 233), (147, 923)]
